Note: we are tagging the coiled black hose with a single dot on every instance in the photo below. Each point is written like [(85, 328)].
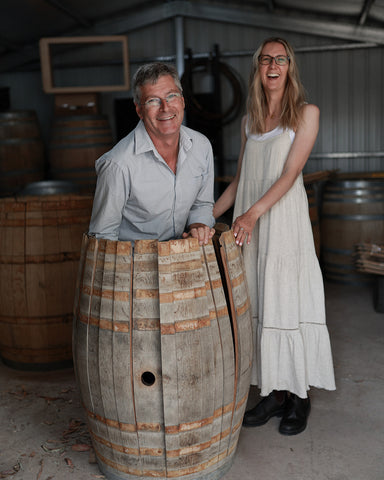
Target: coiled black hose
[(196, 109)]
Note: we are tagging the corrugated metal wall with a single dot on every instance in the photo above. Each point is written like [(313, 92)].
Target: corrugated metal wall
[(345, 84)]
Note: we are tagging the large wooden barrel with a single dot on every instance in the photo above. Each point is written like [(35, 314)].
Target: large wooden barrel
[(40, 241), (76, 143), (22, 158), (162, 353), (352, 213)]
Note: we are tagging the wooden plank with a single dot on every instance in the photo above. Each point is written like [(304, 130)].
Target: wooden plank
[(318, 176), (146, 360), (223, 350), (242, 329), (83, 308), (187, 370), (76, 303), (369, 258)]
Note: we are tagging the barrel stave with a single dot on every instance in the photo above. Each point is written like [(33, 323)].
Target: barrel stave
[(146, 358), (224, 353), (242, 329), (187, 360)]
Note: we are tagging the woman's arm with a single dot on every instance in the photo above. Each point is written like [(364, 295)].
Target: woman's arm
[(298, 155), (227, 198)]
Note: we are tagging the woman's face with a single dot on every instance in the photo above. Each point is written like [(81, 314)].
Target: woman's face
[(273, 76)]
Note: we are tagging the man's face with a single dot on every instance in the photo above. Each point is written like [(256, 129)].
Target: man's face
[(164, 120)]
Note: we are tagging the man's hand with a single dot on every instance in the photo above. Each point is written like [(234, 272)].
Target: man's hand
[(200, 231)]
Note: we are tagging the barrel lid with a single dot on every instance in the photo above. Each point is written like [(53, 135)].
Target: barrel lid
[(49, 187), (356, 183), (16, 114)]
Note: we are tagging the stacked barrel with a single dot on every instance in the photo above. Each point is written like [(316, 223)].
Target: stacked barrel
[(42, 220), (80, 134), (22, 156)]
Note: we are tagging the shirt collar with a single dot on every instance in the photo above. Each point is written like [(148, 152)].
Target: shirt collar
[(185, 139), (143, 142)]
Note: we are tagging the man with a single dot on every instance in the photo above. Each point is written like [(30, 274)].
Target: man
[(157, 182)]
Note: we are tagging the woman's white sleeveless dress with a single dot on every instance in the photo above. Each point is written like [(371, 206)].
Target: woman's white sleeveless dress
[(291, 342)]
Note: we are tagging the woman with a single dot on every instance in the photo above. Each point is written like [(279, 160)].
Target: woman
[(271, 222)]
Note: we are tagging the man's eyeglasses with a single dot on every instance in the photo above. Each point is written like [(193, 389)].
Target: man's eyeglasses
[(156, 101), (279, 59)]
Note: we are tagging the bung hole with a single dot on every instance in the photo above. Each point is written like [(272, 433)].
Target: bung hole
[(148, 378)]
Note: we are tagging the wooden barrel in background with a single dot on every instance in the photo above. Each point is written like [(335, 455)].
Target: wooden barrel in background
[(40, 242), (76, 143), (352, 213), (162, 363), (22, 157)]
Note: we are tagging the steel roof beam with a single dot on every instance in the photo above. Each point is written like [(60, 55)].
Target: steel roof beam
[(69, 12), (365, 11), (188, 9)]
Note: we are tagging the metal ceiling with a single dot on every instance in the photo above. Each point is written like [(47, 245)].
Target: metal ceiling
[(24, 22)]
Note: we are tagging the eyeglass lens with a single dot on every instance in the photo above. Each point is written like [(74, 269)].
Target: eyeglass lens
[(156, 101), (279, 59)]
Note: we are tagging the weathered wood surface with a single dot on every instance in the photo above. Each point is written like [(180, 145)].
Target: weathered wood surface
[(146, 359), (198, 392), (369, 258), (155, 358), (242, 328)]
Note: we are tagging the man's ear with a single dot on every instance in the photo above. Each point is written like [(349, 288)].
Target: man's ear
[(138, 111)]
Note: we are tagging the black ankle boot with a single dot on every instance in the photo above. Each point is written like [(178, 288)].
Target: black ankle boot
[(270, 406), (295, 417)]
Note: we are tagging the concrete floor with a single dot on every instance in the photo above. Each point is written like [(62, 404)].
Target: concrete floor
[(42, 422)]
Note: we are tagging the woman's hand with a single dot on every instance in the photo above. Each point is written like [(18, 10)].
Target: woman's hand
[(243, 227)]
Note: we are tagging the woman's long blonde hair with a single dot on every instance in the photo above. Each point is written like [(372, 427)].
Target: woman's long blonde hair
[(293, 99)]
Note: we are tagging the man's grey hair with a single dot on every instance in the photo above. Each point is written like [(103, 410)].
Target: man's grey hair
[(150, 73)]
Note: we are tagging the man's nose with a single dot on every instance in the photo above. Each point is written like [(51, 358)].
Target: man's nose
[(164, 104)]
